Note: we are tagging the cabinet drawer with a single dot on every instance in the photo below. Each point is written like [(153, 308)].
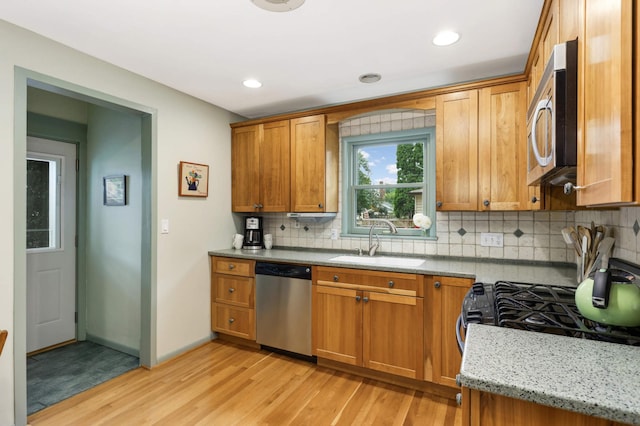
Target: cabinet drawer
[(383, 281), (238, 291), (238, 322), (223, 265)]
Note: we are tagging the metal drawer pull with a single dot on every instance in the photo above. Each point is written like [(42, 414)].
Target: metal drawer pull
[(357, 298), (437, 284), (391, 284), (365, 299), (335, 278), (231, 320), (231, 290), (231, 266), (459, 398)]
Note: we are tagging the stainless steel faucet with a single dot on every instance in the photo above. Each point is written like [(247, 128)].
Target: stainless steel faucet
[(374, 246)]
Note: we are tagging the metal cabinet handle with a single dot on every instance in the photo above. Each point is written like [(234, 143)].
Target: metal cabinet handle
[(232, 320), (534, 199), (358, 298), (231, 290), (391, 283), (320, 205), (486, 203), (255, 205), (458, 382), (335, 278), (438, 204), (437, 284), (231, 266), (365, 299), (459, 398)]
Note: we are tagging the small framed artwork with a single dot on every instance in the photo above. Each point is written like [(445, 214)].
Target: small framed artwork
[(194, 180), (114, 190)]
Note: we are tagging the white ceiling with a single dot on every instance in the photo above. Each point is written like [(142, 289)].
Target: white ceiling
[(306, 58)]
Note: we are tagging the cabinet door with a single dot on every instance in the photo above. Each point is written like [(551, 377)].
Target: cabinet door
[(503, 148), (308, 164), (245, 166), (393, 334), (446, 294), (275, 169), (338, 324), (489, 409), (457, 151), (605, 150)]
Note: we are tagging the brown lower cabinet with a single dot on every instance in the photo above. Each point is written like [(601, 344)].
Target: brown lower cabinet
[(233, 297), (369, 319), (487, 409)]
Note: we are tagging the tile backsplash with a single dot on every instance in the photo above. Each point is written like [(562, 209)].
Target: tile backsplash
[(527, 235)]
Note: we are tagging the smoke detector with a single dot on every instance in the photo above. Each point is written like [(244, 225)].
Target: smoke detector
[(278, 5)]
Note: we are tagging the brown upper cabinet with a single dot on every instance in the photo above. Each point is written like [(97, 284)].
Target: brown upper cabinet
[(481, 150), (607, 172), (314, 165), (260, 158), (502, 148), (457, 151), (286, 165)]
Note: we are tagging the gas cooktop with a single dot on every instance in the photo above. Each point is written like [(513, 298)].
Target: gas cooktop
[(538, 307)]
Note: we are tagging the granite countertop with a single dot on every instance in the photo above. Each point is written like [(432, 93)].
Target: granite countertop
[(481, 269), (592, 377)]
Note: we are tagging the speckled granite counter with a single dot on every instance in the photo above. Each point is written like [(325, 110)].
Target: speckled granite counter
[(486, 270), (597, 378)]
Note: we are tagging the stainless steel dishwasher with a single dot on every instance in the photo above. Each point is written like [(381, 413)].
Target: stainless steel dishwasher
[(283, 307)]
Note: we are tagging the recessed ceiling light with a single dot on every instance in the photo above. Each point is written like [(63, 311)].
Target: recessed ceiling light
[(445, 38), (370, 78), (252, 83), (278, 5)]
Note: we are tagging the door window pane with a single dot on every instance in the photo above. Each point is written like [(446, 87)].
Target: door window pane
[(42, 229)]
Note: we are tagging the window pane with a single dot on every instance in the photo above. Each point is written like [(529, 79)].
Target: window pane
[(385, 164), (397, 205), (39, 214)]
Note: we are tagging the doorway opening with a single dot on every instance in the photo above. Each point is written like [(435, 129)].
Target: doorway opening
[(100, 307)]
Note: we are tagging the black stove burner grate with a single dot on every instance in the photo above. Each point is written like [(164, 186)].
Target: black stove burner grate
[(552, 309)]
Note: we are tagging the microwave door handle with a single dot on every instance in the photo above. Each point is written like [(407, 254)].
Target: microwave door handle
[(544, 104)]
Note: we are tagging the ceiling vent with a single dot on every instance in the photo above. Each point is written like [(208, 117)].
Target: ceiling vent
[(278, 5)]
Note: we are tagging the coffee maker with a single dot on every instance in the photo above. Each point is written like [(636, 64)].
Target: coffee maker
[(253, 233)]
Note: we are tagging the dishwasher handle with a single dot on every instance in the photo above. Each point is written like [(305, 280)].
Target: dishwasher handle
[(283, 270)]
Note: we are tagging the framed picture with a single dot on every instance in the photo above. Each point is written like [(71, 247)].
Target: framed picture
[(114, 190), (194, 180)]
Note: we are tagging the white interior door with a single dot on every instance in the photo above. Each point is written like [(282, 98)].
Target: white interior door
[(51, 249)]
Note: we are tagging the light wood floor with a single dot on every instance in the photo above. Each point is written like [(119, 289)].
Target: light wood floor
[(224, 384)]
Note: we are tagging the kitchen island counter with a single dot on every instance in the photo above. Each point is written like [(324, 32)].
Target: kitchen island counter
[(586, 376), (480, 269)]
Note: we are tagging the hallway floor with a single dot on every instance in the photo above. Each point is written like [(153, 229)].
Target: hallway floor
[(60, 373)]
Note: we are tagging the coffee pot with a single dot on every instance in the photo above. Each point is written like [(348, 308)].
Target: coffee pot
[(253, 233)]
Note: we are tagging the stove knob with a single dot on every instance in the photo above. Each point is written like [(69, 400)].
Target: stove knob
[(478, 289), (474, 317)]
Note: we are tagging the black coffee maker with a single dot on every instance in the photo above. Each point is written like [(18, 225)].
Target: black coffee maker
[(253, 233)]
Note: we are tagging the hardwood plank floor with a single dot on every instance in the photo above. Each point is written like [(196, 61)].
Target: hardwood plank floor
[(221, 383)]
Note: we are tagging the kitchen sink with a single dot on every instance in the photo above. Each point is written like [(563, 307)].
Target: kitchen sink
[(379, 260)]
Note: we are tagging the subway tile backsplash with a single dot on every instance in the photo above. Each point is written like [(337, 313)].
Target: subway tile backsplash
[(527, 235)]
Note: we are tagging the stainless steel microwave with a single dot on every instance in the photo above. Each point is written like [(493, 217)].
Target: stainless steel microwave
[(552, 120)]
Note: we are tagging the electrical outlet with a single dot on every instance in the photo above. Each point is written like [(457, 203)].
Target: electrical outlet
[(334, 234), (296, 224), (491, 239)]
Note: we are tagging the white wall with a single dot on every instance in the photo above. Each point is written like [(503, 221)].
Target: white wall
[(187, 129)]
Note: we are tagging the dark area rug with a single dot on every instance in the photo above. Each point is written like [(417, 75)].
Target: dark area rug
[(63, 372)]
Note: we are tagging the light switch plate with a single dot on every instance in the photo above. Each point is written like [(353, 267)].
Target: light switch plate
[(164, 226)]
